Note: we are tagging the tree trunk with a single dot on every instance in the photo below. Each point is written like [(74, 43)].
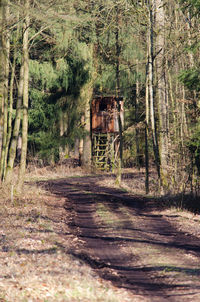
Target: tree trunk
[(161, 88), (147, 127), (2, 71), (151, 91), (11, 90), (6, 49), (86, 151), (13, 144), (137, 142), (15, 134), (25, 97), (85, 144), (118, 50)]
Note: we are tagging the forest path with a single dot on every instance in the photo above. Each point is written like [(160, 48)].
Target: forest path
[(128, 241)]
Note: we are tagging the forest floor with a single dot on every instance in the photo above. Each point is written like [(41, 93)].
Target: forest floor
[(75, 237)]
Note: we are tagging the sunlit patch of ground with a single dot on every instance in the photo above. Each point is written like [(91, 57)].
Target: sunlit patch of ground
[(36, 263), (133, 180)]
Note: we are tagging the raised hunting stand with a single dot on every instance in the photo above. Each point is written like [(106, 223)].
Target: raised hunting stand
[(107, 117)]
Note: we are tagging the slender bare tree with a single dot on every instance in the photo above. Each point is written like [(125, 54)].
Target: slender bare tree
[(161, 87), (25, 94), (6, 50), (151, 82)]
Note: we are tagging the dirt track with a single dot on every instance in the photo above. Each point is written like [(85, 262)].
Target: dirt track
[(128, 241)]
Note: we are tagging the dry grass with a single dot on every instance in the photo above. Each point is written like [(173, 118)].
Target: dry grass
[(35, 173), (133, 180), (36, 263)]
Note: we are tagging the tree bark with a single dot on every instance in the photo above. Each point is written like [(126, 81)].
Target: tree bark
[(6, 49), (13, 144), (85, 145), (86, 151), (11, 91), (137, 142), (2, 71), (147, 126), (118, 51), (151, 89), (17, 122), (22, 168), (161, 88)]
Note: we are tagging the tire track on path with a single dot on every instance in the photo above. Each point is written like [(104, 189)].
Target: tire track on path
[(129, 245)]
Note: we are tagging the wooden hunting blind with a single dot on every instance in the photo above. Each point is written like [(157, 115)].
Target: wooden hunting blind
[(107, 118)]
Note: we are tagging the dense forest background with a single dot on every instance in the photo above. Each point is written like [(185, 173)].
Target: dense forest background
[(56, 55)]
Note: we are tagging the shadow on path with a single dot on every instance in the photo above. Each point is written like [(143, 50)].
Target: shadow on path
[(128, 244)]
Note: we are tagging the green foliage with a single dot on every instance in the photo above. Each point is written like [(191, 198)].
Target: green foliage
[(191, 78), (60, 65), (54, 90), (192, 5), (42, 75), (194, 147)]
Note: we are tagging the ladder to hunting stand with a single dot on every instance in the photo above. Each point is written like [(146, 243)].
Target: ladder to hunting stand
[(103, 147)]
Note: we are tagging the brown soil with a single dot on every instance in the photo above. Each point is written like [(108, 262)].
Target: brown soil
[(154, 254)]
